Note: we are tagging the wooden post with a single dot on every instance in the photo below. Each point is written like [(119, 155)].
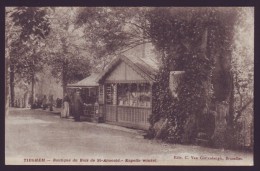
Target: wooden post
[(129, 90), (115, 100), (151, 99), (103, 87), (138, 93), (115, 94), (104, 100)]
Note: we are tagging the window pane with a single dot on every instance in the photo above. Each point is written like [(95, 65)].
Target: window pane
[(138, 95), (122, 94), (109, 94)]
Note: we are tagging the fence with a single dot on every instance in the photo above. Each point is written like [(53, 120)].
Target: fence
[(136, 117)]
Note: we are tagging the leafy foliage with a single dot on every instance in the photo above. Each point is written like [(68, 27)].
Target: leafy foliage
[(34, 25), (69, 62), (242, 61), (109, 31), (33, 21), (190, 43), (31, 25), (242, 68), (24, 61)]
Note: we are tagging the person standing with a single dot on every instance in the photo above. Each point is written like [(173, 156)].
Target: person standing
[(78, 102), (44, 102), (66, 108), (31, 101)]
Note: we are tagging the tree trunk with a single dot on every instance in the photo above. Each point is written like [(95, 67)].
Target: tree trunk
[(33, 82), (7, 85), (12, 96), (231, 101), (33, 74), (64, 66), (64, 77)]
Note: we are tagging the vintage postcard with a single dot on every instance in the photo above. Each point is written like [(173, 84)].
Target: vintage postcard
[(129, 86)]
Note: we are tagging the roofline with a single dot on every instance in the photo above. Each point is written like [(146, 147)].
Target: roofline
[(138, 68), (77, 86), (107, 69), (127, 61)]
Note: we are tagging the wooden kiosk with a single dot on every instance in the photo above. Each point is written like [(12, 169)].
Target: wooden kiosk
[(125, 91)]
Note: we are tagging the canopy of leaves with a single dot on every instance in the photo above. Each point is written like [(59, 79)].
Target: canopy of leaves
[(242, 63), (32, 20), (65, 50), (25, 62), (27, 27), (190, 39), (109, 31)]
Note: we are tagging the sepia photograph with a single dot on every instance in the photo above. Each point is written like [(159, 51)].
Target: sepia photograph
[(147, 86)]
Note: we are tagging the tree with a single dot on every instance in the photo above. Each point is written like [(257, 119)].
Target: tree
[(198, 41), (69, 61), (243, 62), (10, 36), (33, 26), (242, 70), (110, 31)]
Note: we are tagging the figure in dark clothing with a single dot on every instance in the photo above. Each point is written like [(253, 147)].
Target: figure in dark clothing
[(92, 98), (44, 102), (58, 103), (31, 101), (78, 102)]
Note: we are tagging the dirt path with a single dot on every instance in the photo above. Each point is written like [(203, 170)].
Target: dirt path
[(40, 137)]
